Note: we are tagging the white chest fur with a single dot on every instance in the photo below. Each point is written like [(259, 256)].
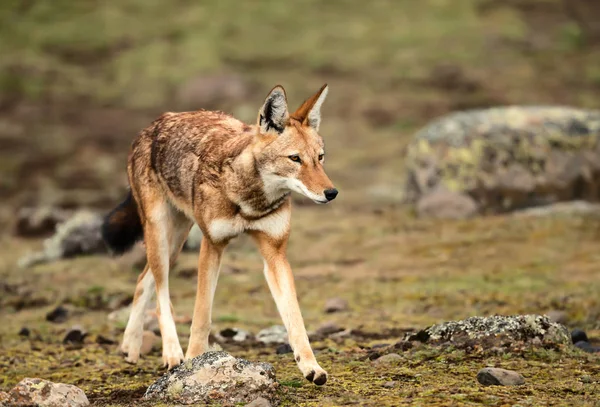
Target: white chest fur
[(275, 225)]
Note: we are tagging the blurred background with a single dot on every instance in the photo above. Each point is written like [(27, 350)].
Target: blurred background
[(80, 79)]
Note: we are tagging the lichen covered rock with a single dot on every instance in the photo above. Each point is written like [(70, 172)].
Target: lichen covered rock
[(43, 393), (509, 157), (496, 332), (215, 377)]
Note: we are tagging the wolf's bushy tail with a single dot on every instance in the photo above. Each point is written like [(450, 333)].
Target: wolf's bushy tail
[(122, 227)]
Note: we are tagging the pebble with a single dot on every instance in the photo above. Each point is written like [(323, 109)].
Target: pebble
[(284, 348), (272, 335), (577, 335), (389, 359), (328, 328), (587, 347), (336, 305), (58, 315), (493, 376), (389, 385), (259, 402), (75, 335), (24, 332)]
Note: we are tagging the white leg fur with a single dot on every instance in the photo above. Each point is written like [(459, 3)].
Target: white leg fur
[(209, 263), (280, 280), (159, 251), (132, 339)]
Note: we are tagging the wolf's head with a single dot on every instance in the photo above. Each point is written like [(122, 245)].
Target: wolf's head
[(290, 153)]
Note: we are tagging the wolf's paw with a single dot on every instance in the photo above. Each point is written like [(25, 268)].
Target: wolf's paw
[(314, 373), (131, 348), (172, 354)]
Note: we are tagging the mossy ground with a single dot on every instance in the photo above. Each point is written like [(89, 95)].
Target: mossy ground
[(79, 79), (396, 272)]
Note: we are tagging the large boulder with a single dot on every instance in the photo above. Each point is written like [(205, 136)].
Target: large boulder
[(507, 158), (215, 377)]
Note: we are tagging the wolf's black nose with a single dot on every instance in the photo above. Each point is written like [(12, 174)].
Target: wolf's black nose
[(330, 194)]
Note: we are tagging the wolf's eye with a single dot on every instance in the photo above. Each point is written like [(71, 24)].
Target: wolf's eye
[(295, 158), (321, 156)]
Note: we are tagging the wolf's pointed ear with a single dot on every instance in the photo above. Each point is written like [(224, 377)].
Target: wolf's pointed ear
[(273, 115), (310, 111)]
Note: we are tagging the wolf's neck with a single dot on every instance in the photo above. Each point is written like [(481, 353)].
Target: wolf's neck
[(246, 189)]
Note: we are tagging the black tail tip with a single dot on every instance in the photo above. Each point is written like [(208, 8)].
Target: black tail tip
[(122, 227)]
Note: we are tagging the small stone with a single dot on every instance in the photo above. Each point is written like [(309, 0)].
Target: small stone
[(215, 378), (389, 385), (587, 347), (102, 340), (586, 379), (43, 393), (75, 335), (25, 332), (273, 335), (443, 204), (328, 328), (234, 334), (58, 315), (259, 402), (577, 335), (389, 359), (283, 349), (336, 305), (149, 339), (558, 316), (492, 376)]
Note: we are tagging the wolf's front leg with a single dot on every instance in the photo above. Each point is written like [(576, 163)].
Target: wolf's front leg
[(281, 283), (208, 274)]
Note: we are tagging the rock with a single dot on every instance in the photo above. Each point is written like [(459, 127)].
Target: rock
[(25, 332), (234, 335), (389, 385), (586, 379), (492, 376), (149, 339), (389, 359), (508, 158), (558, 316), (587, 347), (495, 331), (328, 328), (39, 222), (58, 315), (43, 393), (273, 335), (4, 397), (103, 340), (560, 209), (80, 235), (194, 239), (577, 335), (75, 335), (336, 305), (215, 377), (444, 204), (259, 402), (283, 349)]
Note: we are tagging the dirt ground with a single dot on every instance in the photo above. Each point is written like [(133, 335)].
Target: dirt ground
[(78, 80)]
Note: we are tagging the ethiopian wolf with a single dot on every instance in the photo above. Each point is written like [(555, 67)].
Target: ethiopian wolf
[(230, 178)]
